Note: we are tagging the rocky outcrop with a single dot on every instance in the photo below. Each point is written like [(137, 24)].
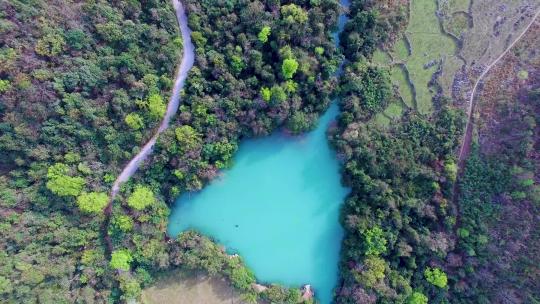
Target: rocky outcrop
[(307, 292)]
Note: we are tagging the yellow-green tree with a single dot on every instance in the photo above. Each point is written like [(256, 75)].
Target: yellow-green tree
[(187, 137), (61, 184), (134, 121), (92, 202), (120, 259), (436, 277), (141, 198), (263, 34), (156, 106), (289, 67)]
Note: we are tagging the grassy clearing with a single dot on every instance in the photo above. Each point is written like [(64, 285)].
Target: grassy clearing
[(181, 287), (493, 28), (399, 78), (381, 58), (394, 110), (450, 68), (429, 46), (381, 120)]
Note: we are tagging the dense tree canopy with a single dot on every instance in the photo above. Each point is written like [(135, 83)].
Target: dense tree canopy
[(71, 76)]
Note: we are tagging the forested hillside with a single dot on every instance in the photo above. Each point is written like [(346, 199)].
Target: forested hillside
[(418, 228), (82, 86), (399, 215)]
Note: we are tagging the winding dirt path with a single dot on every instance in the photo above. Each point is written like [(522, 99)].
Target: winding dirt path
[(467, 138), (188, 58), (186, 64)]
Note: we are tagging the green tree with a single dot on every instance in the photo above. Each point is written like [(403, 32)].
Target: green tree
[(5, 285), (92, 202), (123, 222), (4, 85), (187, 137), (436, 277), (278, 95), (198, 39), (292, 13), (76, 39), (291, 86), (120, 259), (237, 64), (131, 289), (134, 121), (141, 198), (156, 106), (242, 277), (417, 298), (299, 122), (266, 94), (264, 33), (451, 169), (62, 184), (289, 67), (375, 241), (319, 50), (50, 45), (374, 268)]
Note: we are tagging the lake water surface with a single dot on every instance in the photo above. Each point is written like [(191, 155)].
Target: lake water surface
[(277, 208)]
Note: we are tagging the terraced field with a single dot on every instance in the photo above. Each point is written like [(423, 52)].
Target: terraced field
[(425, 53)]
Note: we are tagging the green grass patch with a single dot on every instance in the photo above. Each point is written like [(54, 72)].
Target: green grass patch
[(458, 6), (450, 68), (381, 120), (399, 78), (401, 50), (394, 110), (381, 58), (429, 46)]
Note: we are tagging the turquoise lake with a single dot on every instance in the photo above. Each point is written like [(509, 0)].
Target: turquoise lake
[(277, 207)]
